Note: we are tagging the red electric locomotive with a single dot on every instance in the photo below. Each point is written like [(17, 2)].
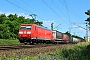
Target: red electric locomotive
[(33, 33)]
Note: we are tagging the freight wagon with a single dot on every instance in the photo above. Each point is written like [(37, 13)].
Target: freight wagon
[(74, 40), (33, 33), (60, 37)]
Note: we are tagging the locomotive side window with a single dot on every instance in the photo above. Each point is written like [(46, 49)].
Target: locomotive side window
[(22, 27), (25, 28), (28, 27), (35, 28)]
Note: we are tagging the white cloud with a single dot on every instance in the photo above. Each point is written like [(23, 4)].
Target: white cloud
[(19, 14), (74, 26), (47, 23)]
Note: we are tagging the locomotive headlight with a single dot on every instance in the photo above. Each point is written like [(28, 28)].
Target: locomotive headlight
[(28, 32), (20, 32)]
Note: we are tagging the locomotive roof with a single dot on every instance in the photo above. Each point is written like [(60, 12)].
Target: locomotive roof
[(28, 24), (44, 27), (37, 25)]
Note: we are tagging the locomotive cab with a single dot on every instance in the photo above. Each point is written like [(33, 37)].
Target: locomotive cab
[(33, 33), (27, 32)]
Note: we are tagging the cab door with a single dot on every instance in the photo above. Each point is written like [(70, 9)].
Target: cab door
[(35, 32)]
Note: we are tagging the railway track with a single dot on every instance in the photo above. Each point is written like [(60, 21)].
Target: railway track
[(10, 47), (21, 46)]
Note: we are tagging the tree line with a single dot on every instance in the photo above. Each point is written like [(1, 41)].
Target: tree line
[(10, 24), (69, 34)]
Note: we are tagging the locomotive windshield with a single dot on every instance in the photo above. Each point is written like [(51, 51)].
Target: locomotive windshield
[(25, 28)]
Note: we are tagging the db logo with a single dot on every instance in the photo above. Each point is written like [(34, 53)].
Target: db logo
[(24, 32)]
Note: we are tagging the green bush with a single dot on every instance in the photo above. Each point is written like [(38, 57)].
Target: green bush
[(77, 52)]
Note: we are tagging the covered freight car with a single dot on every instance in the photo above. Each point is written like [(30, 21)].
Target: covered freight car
[(74, 40), (60, 37)]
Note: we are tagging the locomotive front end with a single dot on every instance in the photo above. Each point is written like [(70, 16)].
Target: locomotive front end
[(24, 34)]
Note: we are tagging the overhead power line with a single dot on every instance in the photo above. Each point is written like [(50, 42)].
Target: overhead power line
[(57, 26), (18, 6), (79, 26), (67, 10), (70, 10), (32, 7), (54, 11), (56, 6), (22, 8), (60, 10), (65, 4), (62, 3)]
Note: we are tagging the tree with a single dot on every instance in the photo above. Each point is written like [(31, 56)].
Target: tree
[(73, 35), (2, 18), (88, 13), (10, 24), (68, 33)]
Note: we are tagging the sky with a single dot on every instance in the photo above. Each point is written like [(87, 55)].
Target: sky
[(66, 14)]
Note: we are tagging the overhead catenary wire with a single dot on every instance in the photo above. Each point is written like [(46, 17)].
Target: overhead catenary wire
[(54, 11), (57, 26), (32, 7), (60, 10), (70, 10), (65, 4), (79, 26), (22, 8), (56, 6), (18, 6), (67, 10)]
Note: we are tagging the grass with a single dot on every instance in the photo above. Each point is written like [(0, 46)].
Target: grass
[(9, 41)]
